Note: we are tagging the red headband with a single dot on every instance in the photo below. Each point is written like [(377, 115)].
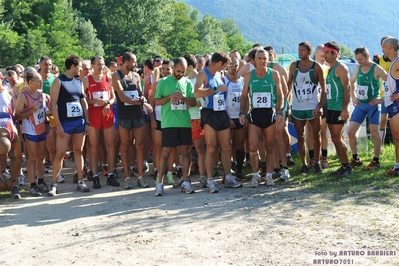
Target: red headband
[(330, 49)]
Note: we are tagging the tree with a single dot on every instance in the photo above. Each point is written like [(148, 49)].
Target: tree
[(211, 35)]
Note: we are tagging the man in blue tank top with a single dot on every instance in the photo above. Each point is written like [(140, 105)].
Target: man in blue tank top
[(214, 119)]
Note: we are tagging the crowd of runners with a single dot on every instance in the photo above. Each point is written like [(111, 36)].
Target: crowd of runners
[(190, 114)]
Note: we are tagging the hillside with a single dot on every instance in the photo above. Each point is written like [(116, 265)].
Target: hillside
[(283, 24)]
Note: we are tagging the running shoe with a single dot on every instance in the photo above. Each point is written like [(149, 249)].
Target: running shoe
[(90, 175), (128, 183), (269, 181), (312, 162), (255, 181), (187, 188), (21, 180), (203, 182), (15, 192), (34, 191), (393, 171), (159, 190), (171, 181), (211, 185), (60, 178), (284, 174), (276, 175), (344, 171), (141, 183), (82, 186), (290, 161), (43, 187), (317, 168), (324, 162), (111, 180), (355, 163), (372, 165), (230, 181), (304, 170), (96, 182), (53, 190)]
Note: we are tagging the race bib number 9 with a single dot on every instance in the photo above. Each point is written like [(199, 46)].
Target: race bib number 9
[(180, 105), (328, 91), (361, 92), (100, 95), (132, 95), (39, 116), (74, 109), (261, 100), (219, 103)]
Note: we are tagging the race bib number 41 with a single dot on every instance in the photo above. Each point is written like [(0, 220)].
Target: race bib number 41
[(261, 100), (100, 95), (74, 109)]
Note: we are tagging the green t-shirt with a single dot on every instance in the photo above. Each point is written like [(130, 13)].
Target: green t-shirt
[(174, 115), (47, 84), (367, 87), (334, 90), (262, 90)]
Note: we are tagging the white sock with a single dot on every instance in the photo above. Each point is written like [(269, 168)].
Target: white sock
[(396, 165)]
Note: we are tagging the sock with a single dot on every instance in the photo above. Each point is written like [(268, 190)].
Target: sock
[(288, 154), (178, 167), (110, 174), (269, 175), (324, 153), (32, 185), (396, 165), (356, 157), (311, 154), (345, 165), (276, 170), (256, 174), (40, 181), (240, 154), (155, 169), (376, 159), (169, 173)]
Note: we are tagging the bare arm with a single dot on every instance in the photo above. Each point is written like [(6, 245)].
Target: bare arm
[(116, 84), (54, 94), (19, 108), (199, 89), (353, 86), (322, 84), (342, 73)]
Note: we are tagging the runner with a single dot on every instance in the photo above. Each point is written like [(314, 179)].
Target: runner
[(31, 108), (69, 108), (100, 98), (338, 97), (214, 119), (365, 94), (127, 86), (305, 77), (390, 47), (175, 94), (10, 145), (263, 87)]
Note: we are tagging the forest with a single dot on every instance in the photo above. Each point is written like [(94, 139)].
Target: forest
[(58, 28)]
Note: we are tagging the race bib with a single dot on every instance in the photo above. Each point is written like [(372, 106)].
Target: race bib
[(361, 92), (132, 95), (328, 91), (219, 103), (100, 95), (39, 116), (74, 109), (180, 105), (261, 100), (304, 92)]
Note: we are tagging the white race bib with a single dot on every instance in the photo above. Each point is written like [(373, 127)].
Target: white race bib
[(74, 109), (180, 105), (39, 116), (361, 92), (328, 91), (100, 95), (219, 103), (261, 100), (132, 95), (304, 92)]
